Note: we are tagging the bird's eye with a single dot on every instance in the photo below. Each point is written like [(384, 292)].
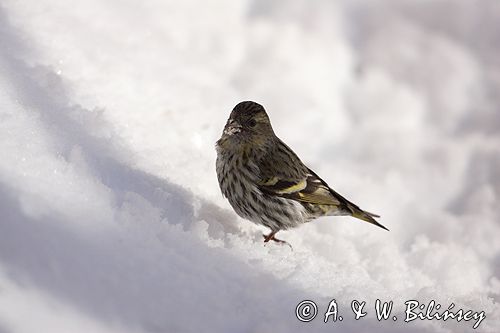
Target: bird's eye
[(252, 123)]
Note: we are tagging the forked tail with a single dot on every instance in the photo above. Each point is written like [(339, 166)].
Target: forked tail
[(365, 216)]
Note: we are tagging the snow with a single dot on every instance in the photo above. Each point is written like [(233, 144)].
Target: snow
[(111, 219)]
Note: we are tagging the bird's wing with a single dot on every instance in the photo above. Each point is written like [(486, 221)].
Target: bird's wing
[(283, 174), (309, 189)]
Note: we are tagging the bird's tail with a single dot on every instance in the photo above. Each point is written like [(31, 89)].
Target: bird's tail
[(365, 216)]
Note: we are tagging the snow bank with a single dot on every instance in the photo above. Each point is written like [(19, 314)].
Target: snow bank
[(111, 219)]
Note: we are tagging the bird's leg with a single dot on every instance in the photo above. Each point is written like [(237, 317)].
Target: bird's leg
[(269, 237)]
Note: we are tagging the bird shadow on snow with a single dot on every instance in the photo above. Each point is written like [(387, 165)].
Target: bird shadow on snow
[(112, 279)]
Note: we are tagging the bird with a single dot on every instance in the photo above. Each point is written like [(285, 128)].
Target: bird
[(266, 183)]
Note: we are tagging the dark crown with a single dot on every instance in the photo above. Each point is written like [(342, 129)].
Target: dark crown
[(248, 108)]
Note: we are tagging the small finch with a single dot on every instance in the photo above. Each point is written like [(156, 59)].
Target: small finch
[(266, 182)]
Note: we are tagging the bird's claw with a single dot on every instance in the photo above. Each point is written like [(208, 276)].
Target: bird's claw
[(270, 237)]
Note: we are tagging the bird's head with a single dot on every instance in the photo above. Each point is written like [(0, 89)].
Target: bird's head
[(247, 125)]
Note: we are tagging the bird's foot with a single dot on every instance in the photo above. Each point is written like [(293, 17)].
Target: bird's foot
[(270, 237)]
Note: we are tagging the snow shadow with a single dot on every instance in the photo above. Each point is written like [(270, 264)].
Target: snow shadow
[(42, 91), (182, 287)]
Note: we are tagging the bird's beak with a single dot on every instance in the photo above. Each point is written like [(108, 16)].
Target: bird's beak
[(232, 128)]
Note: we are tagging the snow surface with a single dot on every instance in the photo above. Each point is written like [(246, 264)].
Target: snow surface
[(111, 219)]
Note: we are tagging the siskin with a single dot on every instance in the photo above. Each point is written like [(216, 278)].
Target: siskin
[(266, 182)]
